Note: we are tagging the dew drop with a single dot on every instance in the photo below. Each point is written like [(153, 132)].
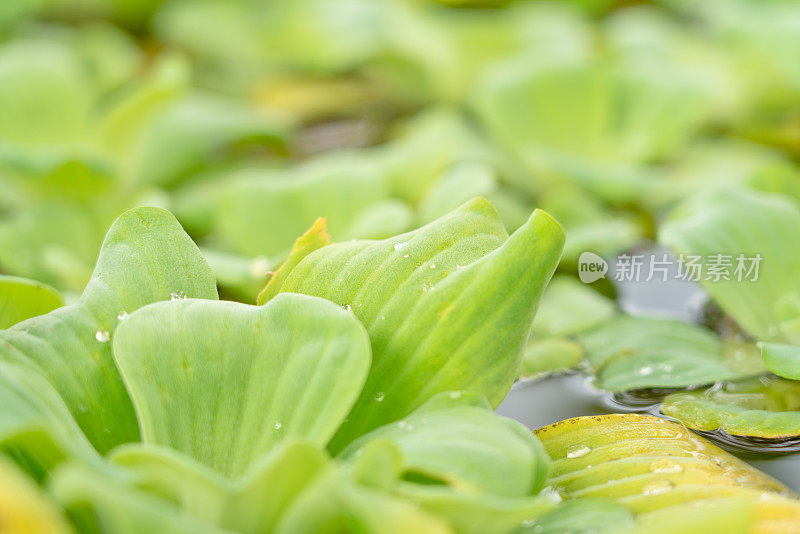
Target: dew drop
[(646, 371), (433, 265), (177, 295), (402, 244), (122, 315), (405, 426), (405, 255), (657, 487), (459, 267), (347, 307), (102, 336), (576, 451), (277, 426), (379, 396), (259, 266), (667, 466)]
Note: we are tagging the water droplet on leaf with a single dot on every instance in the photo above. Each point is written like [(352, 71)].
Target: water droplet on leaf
[(576, 451), (657, 487), (665, 465)]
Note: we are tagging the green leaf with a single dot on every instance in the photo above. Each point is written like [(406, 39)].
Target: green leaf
[(460, 461), (735, 222), (647, 463), (224, 382), (252, 504), (643, 352), (22, 299), (36, 427), (45, 93), (764, 408), (98, 502), (569, 307), (782, 360), (261, 212), (145, 257), (436, 302), (549, 355), (580, 515), (337, 503), (457, 185), (181, 140), (468, 448), (594, 122)]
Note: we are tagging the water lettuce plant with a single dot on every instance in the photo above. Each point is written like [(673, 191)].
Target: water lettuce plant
[(283, 267), (148, 400)]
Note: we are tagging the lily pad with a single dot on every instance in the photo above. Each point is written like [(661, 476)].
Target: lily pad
[(224, 382), (631, 353), (22, 299), (146, 257), (470, 290)]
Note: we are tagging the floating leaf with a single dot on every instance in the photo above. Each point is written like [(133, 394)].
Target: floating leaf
[(642, 352), (146, 257), (22, 299), (595, 515), (746, 224), (224, 382), (783, 360), (569, 307), (549, 355), (470, 291), (765, 408), (648, 464)]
